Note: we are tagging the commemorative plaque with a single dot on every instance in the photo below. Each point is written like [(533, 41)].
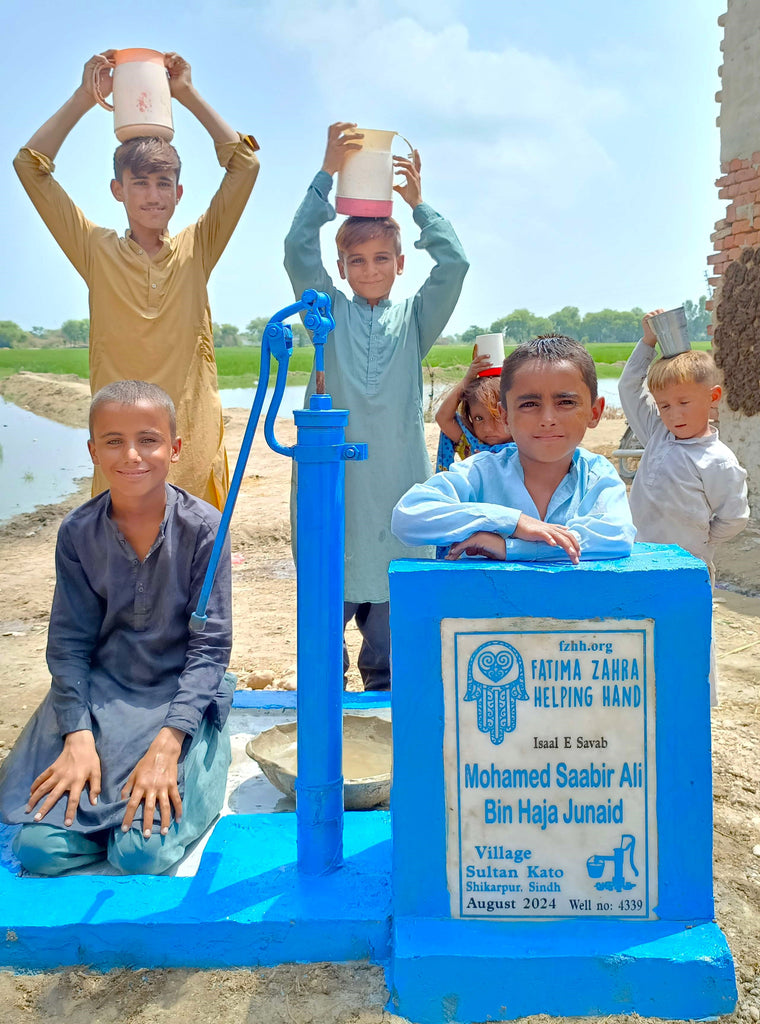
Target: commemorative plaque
[(549, 749)]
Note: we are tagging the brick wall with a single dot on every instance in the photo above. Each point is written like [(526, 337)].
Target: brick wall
[(740, 185)]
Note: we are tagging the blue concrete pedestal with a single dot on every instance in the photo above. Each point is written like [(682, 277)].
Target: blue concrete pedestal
[(629, 925), (247, 906), (462, 971)]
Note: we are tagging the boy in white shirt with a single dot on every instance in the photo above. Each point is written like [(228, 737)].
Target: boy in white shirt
[(689, 488)]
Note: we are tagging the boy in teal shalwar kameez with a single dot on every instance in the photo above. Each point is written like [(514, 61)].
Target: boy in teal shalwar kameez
[(373, 368)]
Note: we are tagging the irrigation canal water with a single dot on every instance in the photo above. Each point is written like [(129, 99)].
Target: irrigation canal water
[(40, 460)]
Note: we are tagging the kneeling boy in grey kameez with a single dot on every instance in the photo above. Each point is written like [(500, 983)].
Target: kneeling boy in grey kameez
[(373, 368), (126, 758)]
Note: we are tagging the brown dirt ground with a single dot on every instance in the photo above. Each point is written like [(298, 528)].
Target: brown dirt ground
[(264, 596)]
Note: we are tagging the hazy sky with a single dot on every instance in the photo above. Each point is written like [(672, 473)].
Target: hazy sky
[(572, 145)]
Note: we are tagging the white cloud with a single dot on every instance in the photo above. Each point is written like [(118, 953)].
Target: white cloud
[(519, 121)]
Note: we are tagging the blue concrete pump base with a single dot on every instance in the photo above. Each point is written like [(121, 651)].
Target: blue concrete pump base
[(246, 907), (458, 972)]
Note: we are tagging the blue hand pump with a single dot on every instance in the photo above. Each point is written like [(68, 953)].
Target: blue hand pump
[(321, 454)]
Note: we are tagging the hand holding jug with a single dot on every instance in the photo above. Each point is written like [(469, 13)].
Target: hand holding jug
[(669, 329), (491, 346), (365, 174), (141, 93)]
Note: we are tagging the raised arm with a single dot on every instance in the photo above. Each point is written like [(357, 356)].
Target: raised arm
[(446, 414), (435, 301), (49, 138), (34, 165), (303, 254), (184, 92), (236, 153), (638, 405)]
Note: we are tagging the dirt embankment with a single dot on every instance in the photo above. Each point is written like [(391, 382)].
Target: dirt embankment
[(64, 398)]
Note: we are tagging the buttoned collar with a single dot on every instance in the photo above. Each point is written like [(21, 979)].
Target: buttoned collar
[(171, 501), (163, 252), (707, 439), (361, 301), (510, 453)]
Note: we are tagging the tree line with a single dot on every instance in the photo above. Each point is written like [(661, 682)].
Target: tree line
[(76, 334), (607, 326)]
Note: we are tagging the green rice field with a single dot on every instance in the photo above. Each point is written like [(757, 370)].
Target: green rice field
[(239, 367)]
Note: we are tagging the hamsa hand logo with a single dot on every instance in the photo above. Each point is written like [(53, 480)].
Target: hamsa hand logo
[(496, 680)]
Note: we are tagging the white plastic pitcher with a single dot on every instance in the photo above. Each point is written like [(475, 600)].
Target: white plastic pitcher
[(491, 345), (365, 182), (142, 102)]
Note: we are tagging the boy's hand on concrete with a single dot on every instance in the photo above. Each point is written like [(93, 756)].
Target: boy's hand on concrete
[(77, 766), (341, 140), (98, 71), (154, 782), (411, 189), (180, 80), (481, 545), (532, 529), (650, 338)]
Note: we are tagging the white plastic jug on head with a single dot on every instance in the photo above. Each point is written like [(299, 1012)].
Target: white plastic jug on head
[(142, 101), (491, 345), (365, 182)]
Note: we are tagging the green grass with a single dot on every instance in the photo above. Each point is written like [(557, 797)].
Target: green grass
[(450, 355), (461, 355), (619, 353), (44, 360), (239, 367)]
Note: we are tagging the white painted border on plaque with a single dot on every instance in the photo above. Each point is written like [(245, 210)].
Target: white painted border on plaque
[(550, 767)]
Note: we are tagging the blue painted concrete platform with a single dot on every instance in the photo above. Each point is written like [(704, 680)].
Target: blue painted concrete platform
[(246, 906), (469, 971)]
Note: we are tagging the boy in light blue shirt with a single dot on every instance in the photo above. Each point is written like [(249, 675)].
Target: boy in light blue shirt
[(543, 498)]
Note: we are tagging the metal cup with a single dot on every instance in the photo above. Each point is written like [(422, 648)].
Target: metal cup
[(670, 330)]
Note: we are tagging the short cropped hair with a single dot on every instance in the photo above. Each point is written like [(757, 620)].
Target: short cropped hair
[(484, 390), (146, 156), (356, 230), (133, 392), (692, 367), (550, 348)]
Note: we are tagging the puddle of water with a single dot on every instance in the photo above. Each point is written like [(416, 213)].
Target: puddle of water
[(39, 460), (608, 389), (242, 398)]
